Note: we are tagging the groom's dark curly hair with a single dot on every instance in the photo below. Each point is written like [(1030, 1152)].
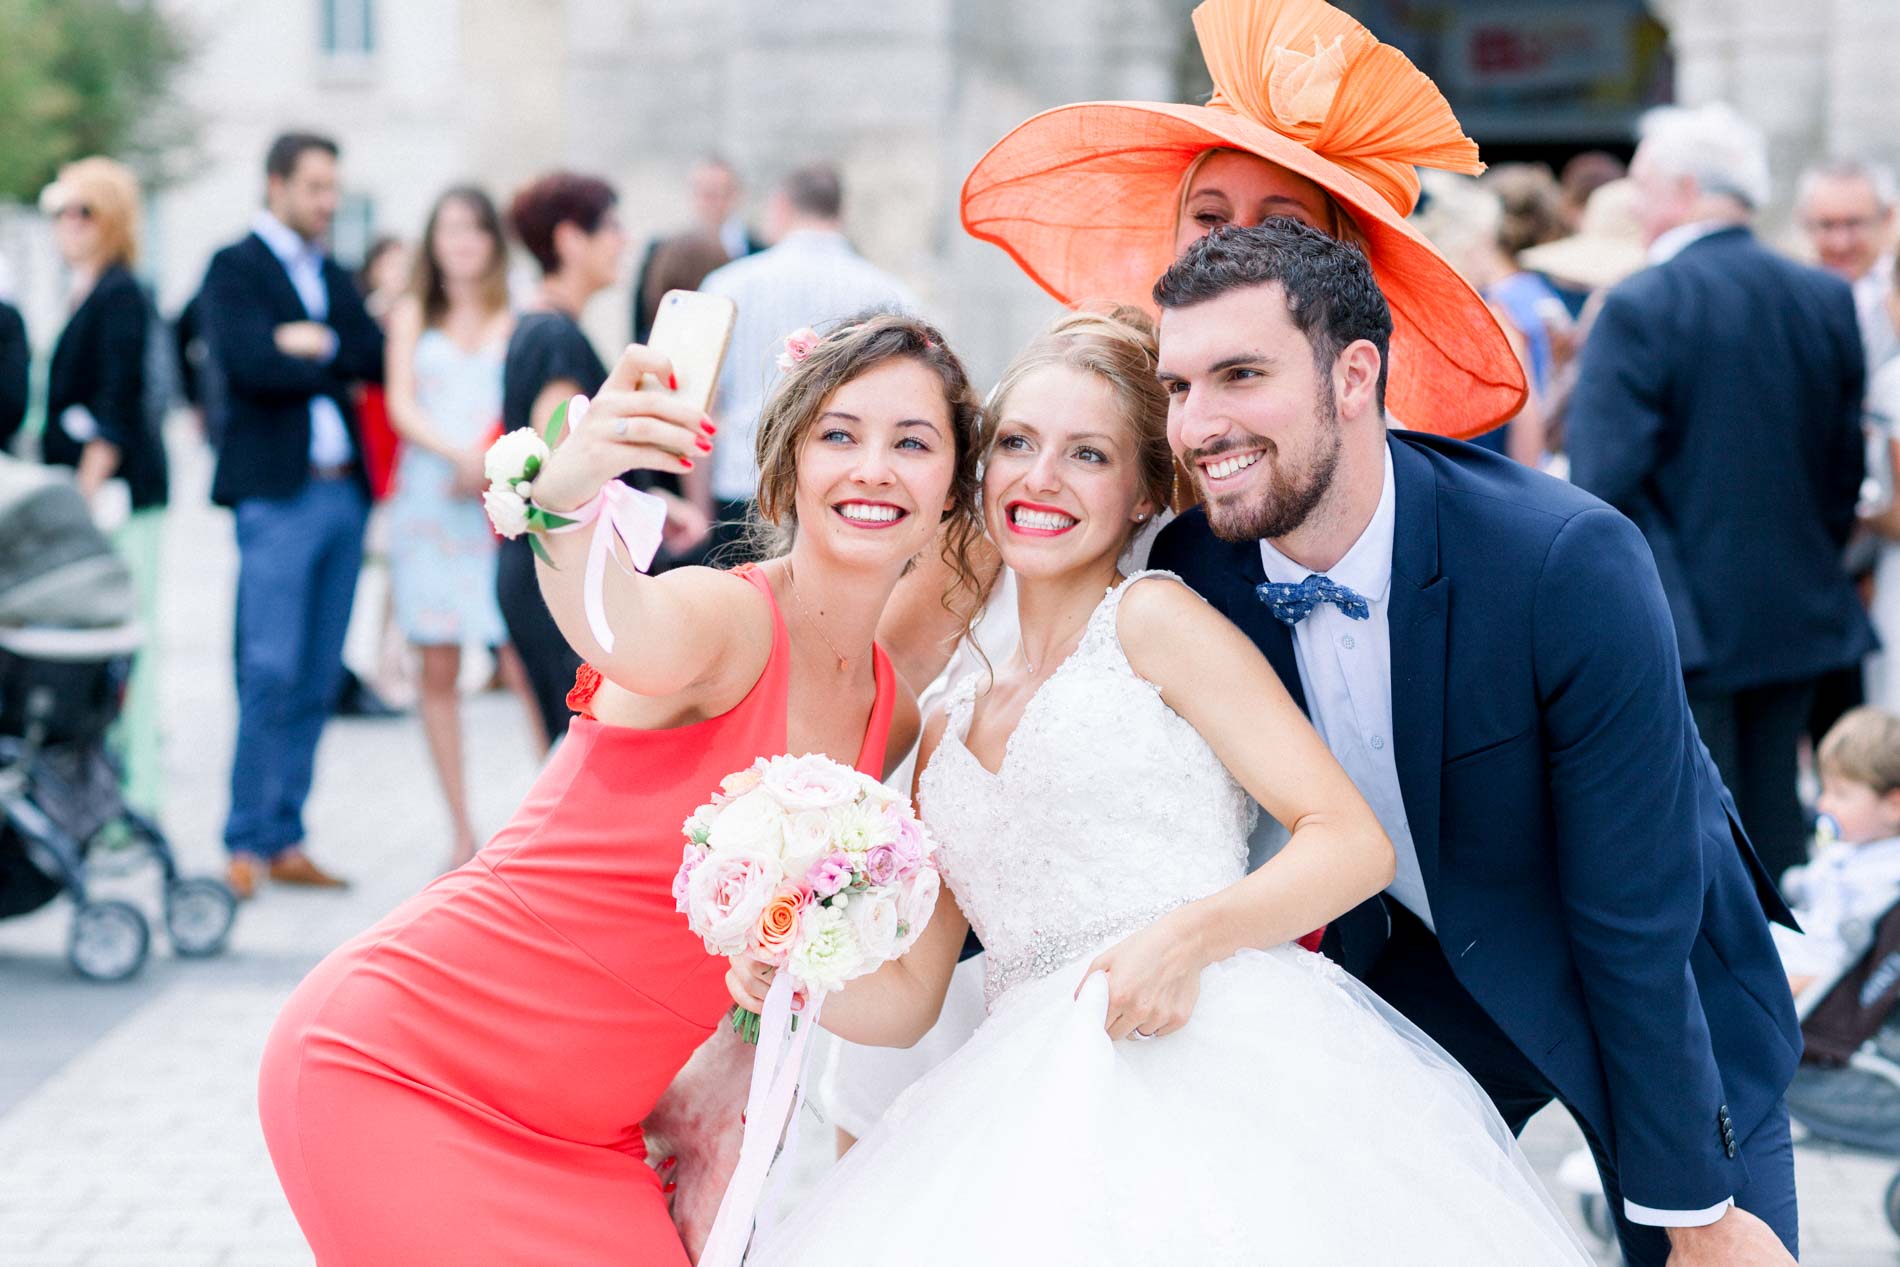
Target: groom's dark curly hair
[(1331, 294)]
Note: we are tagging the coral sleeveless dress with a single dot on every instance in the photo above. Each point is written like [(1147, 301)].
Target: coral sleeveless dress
[(464, 1083)]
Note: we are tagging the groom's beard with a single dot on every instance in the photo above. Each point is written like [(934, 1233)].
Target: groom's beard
[(1290, 497)]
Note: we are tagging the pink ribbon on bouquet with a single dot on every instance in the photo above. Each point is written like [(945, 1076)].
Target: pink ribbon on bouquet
[(635, 519), (771, 1103)]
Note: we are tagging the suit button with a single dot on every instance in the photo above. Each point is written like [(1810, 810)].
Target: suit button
[(1731, 1150)]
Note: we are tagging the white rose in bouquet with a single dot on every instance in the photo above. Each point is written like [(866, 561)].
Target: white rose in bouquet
[(811, 783), (875, 917), (807, 840), (915, 907), (752, 823)]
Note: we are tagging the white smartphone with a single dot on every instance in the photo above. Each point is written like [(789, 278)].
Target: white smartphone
[(692, 331)]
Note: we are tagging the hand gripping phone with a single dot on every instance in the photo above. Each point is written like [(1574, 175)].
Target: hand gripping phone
[(692, 331)]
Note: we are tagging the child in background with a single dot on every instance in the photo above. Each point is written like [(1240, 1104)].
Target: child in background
[(1855, 876)]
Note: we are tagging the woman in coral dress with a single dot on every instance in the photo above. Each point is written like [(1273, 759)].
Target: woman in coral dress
[(467, 1081)]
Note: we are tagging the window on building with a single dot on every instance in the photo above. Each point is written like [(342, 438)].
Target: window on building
[(349, 28), (353, 230)]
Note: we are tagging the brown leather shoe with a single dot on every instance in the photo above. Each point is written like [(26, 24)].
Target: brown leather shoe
[(293, 866), (241, 876)]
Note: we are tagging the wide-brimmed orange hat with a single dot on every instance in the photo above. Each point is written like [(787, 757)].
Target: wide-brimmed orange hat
[(1084, 197)]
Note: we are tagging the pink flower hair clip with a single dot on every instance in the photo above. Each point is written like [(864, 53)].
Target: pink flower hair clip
[(798, 346)]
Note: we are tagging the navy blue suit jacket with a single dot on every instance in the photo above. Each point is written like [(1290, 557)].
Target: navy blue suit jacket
[(1718, 405), (266, 447), (1590, 885)]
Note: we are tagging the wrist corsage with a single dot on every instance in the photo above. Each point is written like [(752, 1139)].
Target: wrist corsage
[(621, 515), (511, 464)]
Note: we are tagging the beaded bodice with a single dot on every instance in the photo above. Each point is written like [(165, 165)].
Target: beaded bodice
[(1108, 811)]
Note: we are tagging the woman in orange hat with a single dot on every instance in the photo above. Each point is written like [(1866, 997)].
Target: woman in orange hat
[(1311, 117)]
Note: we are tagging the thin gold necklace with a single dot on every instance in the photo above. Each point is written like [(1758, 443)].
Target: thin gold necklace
[(844, 661)]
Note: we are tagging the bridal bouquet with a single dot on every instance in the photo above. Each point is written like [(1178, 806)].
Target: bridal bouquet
[(809, 865)]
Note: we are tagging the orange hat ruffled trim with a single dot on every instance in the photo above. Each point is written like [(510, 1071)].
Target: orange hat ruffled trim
[(1353, 100)]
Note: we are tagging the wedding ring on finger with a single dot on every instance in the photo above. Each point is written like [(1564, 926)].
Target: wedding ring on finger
[(620, 428), (1140, 1035)]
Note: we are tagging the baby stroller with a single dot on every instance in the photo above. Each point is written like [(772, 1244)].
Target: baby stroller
[(1846, 1093), (67, 638)]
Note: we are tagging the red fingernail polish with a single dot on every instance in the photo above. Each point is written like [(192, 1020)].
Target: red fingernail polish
[(687, 463), (706, 425), (669, 1187), (705, 446), (672, 382), (669, 1163), (742, 1117)]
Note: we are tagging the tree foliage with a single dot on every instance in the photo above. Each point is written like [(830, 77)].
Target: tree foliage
[(81, 77)]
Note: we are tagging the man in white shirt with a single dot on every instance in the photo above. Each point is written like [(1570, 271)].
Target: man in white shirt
[(1488, 653), (292, 341), (810, 276)]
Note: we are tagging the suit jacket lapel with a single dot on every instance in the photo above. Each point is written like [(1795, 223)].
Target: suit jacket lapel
[(287, 295), (1416, 617), (1245, 609)]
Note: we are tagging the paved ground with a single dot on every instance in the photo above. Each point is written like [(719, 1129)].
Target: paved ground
[(127, 1113)]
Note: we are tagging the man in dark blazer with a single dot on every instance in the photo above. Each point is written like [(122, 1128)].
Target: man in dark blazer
[(1718, 405), (290, 335), (1575, 916)]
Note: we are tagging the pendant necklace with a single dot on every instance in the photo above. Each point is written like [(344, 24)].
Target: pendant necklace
[(844, 661)]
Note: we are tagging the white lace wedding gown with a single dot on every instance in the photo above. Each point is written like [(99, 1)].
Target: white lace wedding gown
[(1295, 1120)]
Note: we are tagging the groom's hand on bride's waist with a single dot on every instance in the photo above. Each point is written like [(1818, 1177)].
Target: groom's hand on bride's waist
[(1737, 1239)]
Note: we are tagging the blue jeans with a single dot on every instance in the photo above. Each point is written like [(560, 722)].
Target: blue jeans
[(297, 563)]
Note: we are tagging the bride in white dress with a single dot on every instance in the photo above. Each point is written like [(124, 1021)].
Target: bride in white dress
[(1162, 1078)]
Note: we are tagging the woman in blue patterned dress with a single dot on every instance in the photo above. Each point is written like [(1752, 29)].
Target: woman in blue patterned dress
[(446, 340)]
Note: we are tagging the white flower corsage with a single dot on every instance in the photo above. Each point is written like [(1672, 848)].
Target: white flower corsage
[(511, 464)]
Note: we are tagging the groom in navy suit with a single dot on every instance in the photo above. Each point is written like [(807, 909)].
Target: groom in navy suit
[(1576, 915)]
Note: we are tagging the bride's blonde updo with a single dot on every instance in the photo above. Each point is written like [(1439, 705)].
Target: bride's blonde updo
[(849, 349), (1118, 346)]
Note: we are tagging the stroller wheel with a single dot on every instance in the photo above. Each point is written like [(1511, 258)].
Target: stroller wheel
[(1892, 1204), (199, 913), (109, 941)]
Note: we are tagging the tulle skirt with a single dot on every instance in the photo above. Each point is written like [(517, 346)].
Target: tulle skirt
[(1295, 1119)]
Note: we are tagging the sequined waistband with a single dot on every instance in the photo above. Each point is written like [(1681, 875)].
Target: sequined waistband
[(1049, 951)]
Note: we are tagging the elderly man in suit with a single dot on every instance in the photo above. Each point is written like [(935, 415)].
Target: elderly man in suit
[(290, 334), (1718, 405), (1488, 653)]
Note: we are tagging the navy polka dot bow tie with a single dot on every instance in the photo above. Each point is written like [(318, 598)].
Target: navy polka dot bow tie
[(1290, 604)]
